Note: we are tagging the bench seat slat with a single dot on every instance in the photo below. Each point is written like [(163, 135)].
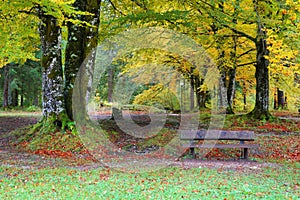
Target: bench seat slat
[(221, 146), (216, 135)]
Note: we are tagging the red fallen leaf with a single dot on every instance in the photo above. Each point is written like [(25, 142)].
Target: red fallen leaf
[(269, 126), (54, 153), (24, 143), (104, 177)]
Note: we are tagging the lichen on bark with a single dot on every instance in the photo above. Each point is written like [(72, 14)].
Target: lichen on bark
[(52, 74)]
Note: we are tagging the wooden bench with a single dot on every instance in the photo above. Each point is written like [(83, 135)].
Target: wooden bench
[(213, 136)]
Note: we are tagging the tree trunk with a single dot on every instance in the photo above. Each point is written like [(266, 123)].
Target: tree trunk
[(222, 100), (74, 57), (200, 95), (232, 74), (261, 109), (275, 100), (22, 99), (36, 100), (53, 99), (81, 42), (245, 101), (192, 98), (231, 90), (110, 83), (280, 97), (6, 86), (15, 95)]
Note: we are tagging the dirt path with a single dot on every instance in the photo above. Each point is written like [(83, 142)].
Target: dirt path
[(10, 156), (8, 124)]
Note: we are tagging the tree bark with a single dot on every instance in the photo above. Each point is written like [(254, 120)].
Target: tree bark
[(6, 85), (232, 74), (275, 100), (245, 101), (110, 84), (280, 97), (222, 100), (231, 90), (15, 95), (81, 42), (52, 74), (261, 109), (200, 95), (192, 97)]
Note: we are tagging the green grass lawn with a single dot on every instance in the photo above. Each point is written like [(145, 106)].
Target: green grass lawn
[(167, 183)]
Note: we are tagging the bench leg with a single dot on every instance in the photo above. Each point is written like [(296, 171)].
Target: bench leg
[(245, 154), (193, 152)]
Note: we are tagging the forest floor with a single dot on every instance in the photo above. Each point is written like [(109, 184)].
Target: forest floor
[(275, 140), (57, 166)]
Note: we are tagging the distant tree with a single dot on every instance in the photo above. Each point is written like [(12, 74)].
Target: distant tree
[(22, 84), (254, 21)]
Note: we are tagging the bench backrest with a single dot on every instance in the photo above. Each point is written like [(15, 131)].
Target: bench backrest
[(216, 135)]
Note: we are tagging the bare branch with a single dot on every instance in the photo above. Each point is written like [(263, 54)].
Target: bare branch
[(116, 9), (244, 64), (239, 32), (33, 10), (140, 5), (239, 56)]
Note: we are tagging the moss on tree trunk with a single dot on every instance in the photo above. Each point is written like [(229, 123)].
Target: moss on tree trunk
[(82, 40)]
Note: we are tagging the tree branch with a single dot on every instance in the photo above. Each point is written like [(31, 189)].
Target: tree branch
[(245, 53), (140, 5), (32, 10), (244, 64), (226, 25), (239, 32), (115, 8)]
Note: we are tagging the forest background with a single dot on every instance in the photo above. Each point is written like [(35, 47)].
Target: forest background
[(255, 45)]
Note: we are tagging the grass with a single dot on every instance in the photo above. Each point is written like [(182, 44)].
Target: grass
[(19, 113), (274, 125), (280, 182), (167, 183)]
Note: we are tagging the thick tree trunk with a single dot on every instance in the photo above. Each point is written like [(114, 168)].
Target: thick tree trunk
[(74, 57), (53, 99), (261, 109), (81, 44)]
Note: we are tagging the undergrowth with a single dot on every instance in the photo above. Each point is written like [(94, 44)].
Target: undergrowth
[(278, 138)]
